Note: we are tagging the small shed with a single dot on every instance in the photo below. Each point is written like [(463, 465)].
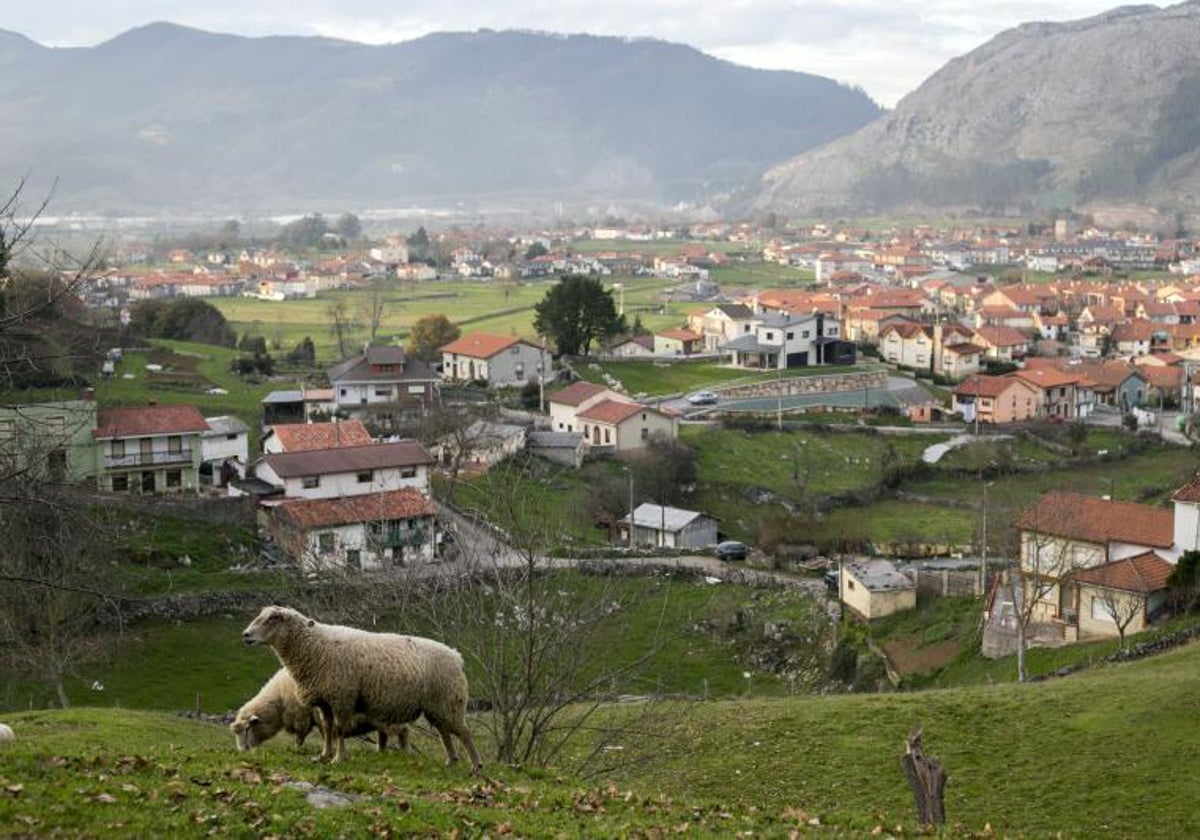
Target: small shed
[(564, 448), (668, 527), (875, 588)]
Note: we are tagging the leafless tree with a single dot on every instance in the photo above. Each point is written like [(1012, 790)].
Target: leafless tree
[(1121, 607), (1048, 555), (337, 313), (375, 306)]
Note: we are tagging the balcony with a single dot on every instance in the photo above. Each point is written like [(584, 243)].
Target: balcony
[(400, 539), (134, 460)]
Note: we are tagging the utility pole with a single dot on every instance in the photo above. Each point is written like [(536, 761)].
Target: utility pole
[(779, 398), (631, 525)]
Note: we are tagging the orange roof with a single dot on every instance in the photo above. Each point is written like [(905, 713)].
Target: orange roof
[(1142, 573), (1189, 492), (680, 335), (300, 437), (988, 386), (1045, 378), (348, 510), (576, 393), (149, 420), (480, 345), (1002, 336), (611, 412), (1095, 520)]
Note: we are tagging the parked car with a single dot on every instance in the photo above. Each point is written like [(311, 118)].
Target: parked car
[(732, 550), (703, 398)]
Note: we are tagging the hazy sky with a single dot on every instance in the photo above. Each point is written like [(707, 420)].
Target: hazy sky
[(887, 47)]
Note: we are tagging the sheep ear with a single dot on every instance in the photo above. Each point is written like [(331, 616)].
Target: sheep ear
[(254, 719), (311, 623)]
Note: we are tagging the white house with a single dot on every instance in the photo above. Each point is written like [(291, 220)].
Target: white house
[(494, 359), (566, 404), (225, 450), (347, 471), (669, 527), (383, 375), (781, 340)]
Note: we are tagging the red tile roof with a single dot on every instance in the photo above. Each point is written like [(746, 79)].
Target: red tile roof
[(348, 459), (1189, 492), (1002, 336), (302, 437), (149, 420), (347, 510), (1143, 573), (612, 412), (989, 386), (577, 393), (480, 345), (681, 335), (1095, 520)]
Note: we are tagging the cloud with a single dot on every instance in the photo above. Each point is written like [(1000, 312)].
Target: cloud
[(887, 47)]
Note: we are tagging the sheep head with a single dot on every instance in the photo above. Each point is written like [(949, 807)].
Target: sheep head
[(272, 623)]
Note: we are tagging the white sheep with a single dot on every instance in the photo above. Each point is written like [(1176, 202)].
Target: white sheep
[(6, 734), (277, 708), (386, 678)]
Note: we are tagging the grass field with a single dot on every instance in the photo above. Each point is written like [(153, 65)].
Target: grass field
[(1095, 754), (660, 378)]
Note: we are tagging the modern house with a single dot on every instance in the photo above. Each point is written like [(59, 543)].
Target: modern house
[(495, 360), (782, 340), (383, 381), (150, 449), (722, 324), (668, 527)]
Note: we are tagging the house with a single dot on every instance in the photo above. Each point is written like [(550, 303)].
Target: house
[(638, 346), (370, 531), (381, 380), (297, 406), (565, 448), (1003, 344), (347, 471), (1065, 396), (668, 527), (150, 449), (566, 403), (677, 343), (482, 445), (51, 439), (224, 450), (722, 323), (874, 588), (943, 348), (1131, 591), (619, 427), (496, 360), (782, 340), (996, 399), (960, 359), (304, 437), (1064, 533)]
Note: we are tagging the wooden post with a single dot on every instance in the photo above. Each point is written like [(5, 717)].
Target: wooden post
[(927, 780)]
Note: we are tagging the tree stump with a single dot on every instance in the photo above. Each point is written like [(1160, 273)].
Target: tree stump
[(927, 779)]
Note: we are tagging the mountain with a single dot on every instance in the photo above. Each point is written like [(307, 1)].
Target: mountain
[(164, 118), (1095, 111)]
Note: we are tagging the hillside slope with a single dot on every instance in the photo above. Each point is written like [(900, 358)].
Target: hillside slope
[(1096, 754), (166, 118), (1097, 110)]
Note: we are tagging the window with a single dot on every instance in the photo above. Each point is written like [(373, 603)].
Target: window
[(341, 392), (56, 463), (354, 558), (645, 434), (408, 472), (365, 477), (174, 478), (7, 429), (792, 335), (175, 444), (310, 482), (118, 449), (804, 334), (416, 389), (849, 583), (606, 436), (381, 391), (325, 542), (770, 336), (231, 436), (516, 349), (520, 372), (120, 483)]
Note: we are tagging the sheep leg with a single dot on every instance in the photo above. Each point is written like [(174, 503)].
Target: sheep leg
[(464, 735), (338, 731), (382, 737), (402, 737), (326, 717), (447, 741)]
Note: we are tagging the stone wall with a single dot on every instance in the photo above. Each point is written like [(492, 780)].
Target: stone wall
[(793, 386)]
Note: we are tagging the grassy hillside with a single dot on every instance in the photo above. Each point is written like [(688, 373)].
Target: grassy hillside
[(1097, 754)]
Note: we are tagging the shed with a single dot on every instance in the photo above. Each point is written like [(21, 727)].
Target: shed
[(668, 527), (875, 588)]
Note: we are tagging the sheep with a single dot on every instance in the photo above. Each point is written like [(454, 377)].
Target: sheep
[(277, 707), (6, 734), (387, 678)]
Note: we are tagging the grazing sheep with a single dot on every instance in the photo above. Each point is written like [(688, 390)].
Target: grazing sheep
[(277, 707), (6, 733), (387, 678)]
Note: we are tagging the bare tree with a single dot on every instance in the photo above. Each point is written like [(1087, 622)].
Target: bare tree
[(375, 306), (1048, 555), (337, 313), (1122, 607)]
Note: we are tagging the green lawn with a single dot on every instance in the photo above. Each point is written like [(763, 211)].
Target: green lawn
[(660, 378), (1095, 754)]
